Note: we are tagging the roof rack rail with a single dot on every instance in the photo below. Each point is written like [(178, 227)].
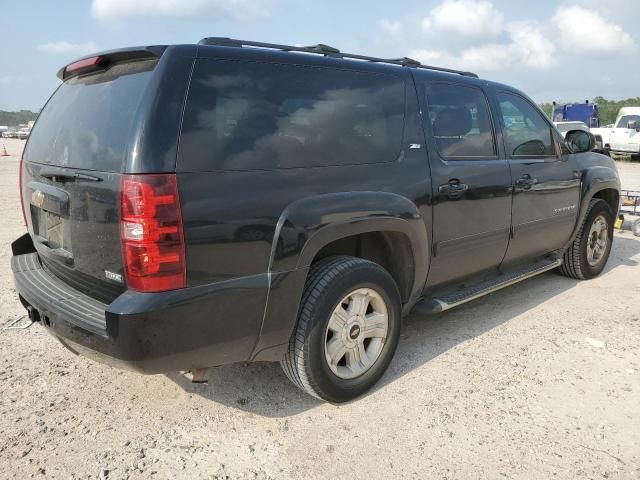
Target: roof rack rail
[(327, 51)]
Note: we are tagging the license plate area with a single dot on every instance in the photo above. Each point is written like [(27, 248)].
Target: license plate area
[(53, 230)]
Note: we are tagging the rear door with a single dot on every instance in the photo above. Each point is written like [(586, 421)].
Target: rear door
[(71, 175), (546, 184), (471, 183)]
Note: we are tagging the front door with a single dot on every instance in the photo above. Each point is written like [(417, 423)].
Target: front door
[(471, 183), (546, 184), (624, 138)]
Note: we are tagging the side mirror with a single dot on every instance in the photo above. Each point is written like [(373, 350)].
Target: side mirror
[(580, 141), (634, 125)]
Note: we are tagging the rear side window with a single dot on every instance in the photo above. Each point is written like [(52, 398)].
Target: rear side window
[(87, 122), (527, 133), (252, 115), (460, 121)]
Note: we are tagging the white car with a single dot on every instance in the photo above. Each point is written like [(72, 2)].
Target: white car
[(23, 133), (624, 137), (564, 127)]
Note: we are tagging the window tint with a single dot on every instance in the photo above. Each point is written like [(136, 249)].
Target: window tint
[(624, 120), (87, 122), (460, 121), (253, 115), (527, 132)]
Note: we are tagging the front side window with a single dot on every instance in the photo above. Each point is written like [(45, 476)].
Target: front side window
[(527, 133), (460, 121), (253, 115)]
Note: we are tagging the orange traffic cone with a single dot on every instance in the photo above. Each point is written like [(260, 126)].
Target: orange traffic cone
[(4, 151)]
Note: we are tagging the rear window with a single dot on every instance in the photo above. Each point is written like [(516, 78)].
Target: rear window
[(87, 122), (252, 115)]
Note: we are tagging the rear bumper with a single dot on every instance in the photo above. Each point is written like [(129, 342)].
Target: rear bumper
[(183, 329)]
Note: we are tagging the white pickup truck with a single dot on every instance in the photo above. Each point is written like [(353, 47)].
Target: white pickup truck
[(624, 137)]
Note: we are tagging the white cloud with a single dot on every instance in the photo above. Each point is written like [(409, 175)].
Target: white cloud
[(425, 56), (586, 30), (117, 9), (530, 45), (65, 47), (527, 46), (390, 26), (467, 18)]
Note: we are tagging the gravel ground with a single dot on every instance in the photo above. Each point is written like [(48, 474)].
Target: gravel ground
[(540, 380)]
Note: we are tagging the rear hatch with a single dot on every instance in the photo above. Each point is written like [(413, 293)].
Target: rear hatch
[(71, 172)]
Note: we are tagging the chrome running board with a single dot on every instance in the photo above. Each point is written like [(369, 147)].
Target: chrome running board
[(433, 305)]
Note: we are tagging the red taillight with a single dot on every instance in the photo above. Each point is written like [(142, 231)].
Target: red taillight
[(85, 64), (151, 232), (24, 213)]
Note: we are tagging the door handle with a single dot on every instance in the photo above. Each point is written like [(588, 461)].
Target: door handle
[(453, 189), (525, 182)]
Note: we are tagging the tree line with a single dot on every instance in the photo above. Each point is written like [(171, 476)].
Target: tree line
[(13, 119)]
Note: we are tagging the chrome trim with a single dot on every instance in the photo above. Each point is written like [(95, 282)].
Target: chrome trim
[(500, 286)]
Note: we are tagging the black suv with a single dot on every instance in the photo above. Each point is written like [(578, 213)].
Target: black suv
[(190, 206)]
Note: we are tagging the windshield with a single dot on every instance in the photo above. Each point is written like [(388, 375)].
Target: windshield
[(87, 122)]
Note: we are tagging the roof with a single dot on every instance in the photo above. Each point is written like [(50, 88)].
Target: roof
[(327, 51)]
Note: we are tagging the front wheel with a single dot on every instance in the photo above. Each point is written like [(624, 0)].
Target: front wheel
[(587, 256), (347, 331)]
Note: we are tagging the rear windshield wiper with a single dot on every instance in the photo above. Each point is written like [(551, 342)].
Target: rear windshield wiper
[(69, 177)]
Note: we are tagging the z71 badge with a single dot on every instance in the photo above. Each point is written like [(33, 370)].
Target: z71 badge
[(561, 210)]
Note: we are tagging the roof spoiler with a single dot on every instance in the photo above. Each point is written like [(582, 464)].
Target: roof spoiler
[(102, 60)]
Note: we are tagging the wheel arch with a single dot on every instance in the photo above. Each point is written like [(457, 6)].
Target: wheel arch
[(611, 196), (597, 182), (389, 246), (389, 221), (385, 226)]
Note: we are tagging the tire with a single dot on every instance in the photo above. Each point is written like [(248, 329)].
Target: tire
[(576, 263), (346, 283)]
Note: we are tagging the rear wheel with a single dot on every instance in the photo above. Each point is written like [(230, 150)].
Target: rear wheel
[(589, 252), (347, 331)]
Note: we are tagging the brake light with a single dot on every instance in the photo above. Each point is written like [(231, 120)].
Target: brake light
[(24, 213), (91, 63), (151, 233)]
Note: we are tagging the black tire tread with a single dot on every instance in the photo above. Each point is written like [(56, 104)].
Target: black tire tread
[(571, 261), (320, 276)]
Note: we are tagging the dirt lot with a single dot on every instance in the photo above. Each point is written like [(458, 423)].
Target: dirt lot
[(540, 380)]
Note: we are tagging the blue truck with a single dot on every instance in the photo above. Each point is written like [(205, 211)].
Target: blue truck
[(570, 112)]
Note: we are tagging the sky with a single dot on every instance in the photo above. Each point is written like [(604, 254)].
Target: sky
[(565, 51)]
